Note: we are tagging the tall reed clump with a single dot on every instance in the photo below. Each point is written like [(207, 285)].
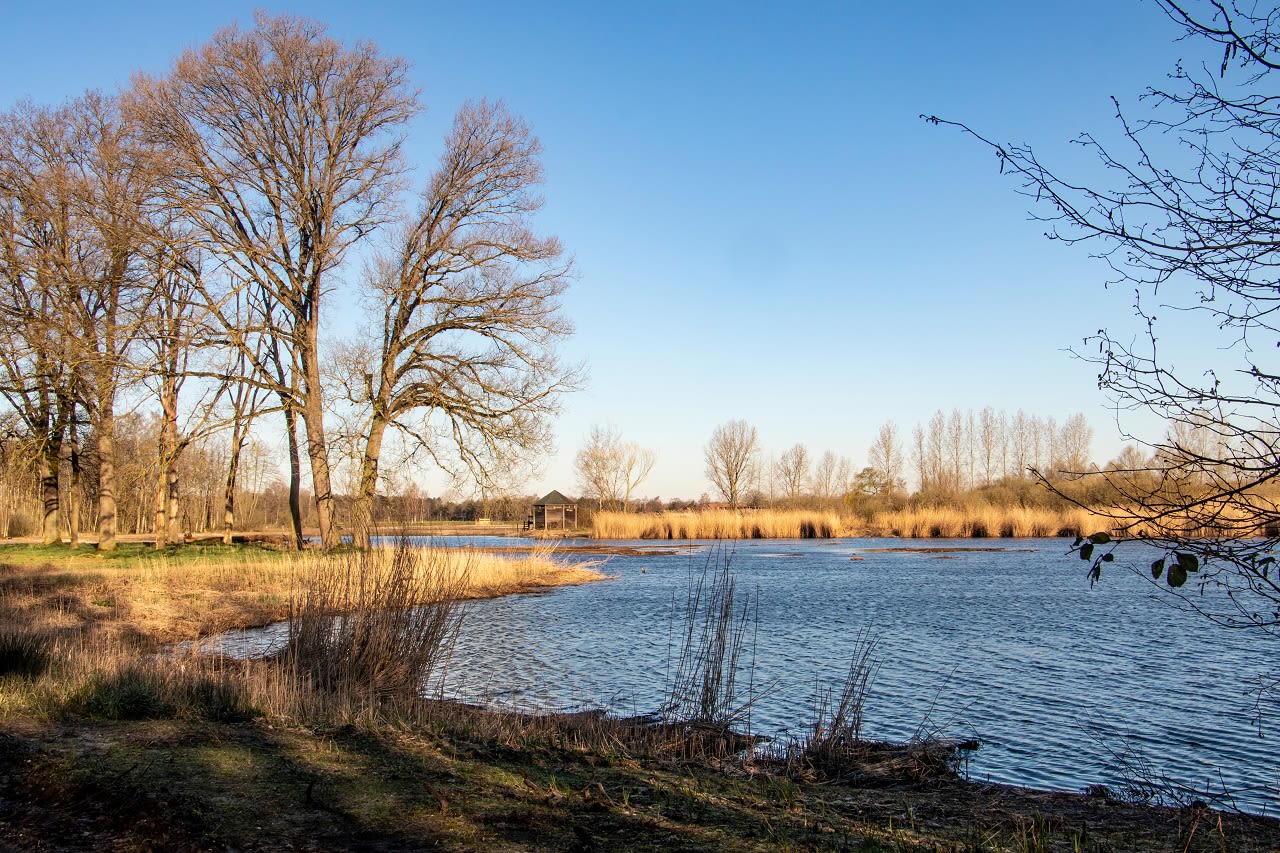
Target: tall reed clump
[(367, 629), (704, 703), (836, 731), (720, 524), (834, 748)]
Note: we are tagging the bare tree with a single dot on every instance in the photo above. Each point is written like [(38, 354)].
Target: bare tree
[(610, 469), (956, 450), (469, 303), (37, 381), (886, 459), (245, 399), (1022, 437), (1185, 205), (83, 183), (174, 332), (731, 459), (935, 452), (920, 457), (831, 475), (283, 155), (793, 470), (990, 431), (1074, 438)]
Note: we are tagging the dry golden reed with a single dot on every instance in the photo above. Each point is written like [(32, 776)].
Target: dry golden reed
[(721, 524), (982, 521), (987, 522)]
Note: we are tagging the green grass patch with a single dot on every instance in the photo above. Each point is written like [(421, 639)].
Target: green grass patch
[(128, 553)]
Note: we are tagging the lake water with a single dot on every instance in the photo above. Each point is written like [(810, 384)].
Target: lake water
[(1009, 646)]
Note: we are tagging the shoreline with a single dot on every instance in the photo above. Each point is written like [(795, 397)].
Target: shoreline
[(465, 779), (104, 747)]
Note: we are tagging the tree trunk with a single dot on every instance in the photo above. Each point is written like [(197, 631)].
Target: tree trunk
[(106, 426), (159, 526), (175, 536), (73, 487), (295, 474), (317, 449), (362, 508), (168, 528), (229, 492), (50, 462)]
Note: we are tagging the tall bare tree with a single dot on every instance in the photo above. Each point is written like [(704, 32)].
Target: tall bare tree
[(936, 454), (465, 364), (886, 458), (37, 380), (284, 151), (831, 475), (82, 183), (1074, 439), (920, 457), (175, 331), (990, 435), (35, 232), (610, 469), (793, 470), (731, 459)]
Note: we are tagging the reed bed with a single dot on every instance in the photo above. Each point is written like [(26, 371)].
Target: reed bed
[(988, 522), (1210, 521), (722, 524), (981, 521)]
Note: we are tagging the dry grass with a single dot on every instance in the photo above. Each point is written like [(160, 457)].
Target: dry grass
[(80, 633), (192, 592), (722, 524)]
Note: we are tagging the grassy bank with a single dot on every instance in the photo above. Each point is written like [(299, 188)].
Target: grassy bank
[(195, 591), (105, 745), (535, 785)]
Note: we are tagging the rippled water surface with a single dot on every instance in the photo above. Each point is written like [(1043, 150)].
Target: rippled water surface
[(1009, 645)]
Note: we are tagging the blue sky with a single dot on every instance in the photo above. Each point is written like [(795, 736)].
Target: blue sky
[(763, 227)]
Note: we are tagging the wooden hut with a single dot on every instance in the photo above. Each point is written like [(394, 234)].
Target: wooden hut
[(555, 512)]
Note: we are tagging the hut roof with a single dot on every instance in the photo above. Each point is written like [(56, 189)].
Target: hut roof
[(554, 498)]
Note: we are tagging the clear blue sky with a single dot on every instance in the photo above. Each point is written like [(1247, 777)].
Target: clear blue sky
[(764, 229)]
